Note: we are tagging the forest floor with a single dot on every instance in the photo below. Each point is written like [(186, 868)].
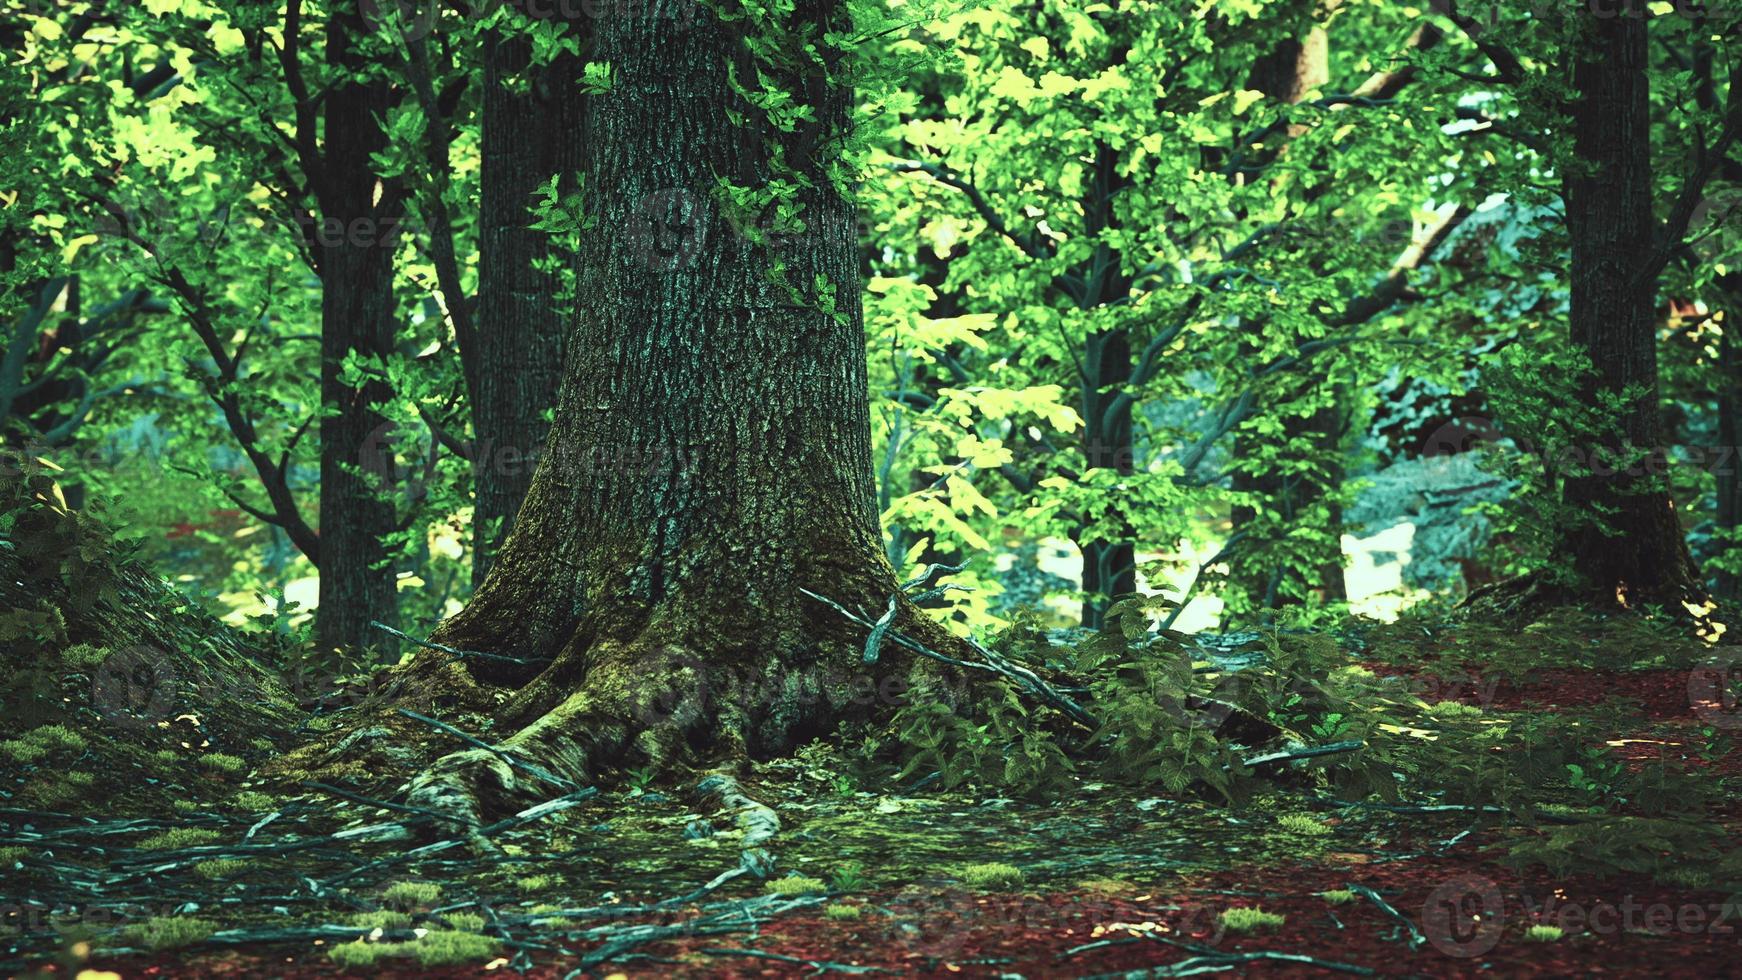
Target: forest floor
[(628, 882)]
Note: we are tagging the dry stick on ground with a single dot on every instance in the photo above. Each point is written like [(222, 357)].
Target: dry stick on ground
[(1215, 962), (1415, 936), (820, 966), (994, 665)]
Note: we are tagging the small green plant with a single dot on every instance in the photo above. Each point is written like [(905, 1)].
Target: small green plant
[(1250, 919), (839, 911), (411, 894), (535, 883), (383, 919), (1338, 896), (225, 764), (991, 876), (11, 855), (795, 885), (162, 932), (219, 868), (185, 806), (168, 757), (1300, 823), (849, 877), (180, 837), (445, 948), (1543, 934)]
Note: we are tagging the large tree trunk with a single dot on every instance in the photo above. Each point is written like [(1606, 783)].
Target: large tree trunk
[(532, 130), (1624, 539), (354, 240), (710, 456)]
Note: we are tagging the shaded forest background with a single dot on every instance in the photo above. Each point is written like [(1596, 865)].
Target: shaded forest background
[(1260, 305)]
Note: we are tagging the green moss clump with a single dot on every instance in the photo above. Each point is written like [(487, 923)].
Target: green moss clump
[(361, 954), (162, 932), (795, 885), (993, 875), (385, 919), (37, 744), (1453, 710), (412, 894), (1248, 920), (262, 745), (1683, 876), (59, 788), (1543, 934), (1300, 823), (83, 656), (1338, 896), (219, 868), (843, 912), (12, 854), (180, 837), (535, 883), (446, 948), (252, 801), (185, 806), (464, 921), (219, 762)]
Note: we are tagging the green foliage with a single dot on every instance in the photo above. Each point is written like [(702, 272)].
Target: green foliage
[(838, 911), (1543, 934)]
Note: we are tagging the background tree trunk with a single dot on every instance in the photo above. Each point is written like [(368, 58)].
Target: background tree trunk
[(532, 130), (1625, 537), (354, 240)]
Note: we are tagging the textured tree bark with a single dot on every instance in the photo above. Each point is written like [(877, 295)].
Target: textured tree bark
[(532, 130), (1625, 538), (354, 240), (710, 455)]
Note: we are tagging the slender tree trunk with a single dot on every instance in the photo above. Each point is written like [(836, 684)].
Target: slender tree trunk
[(532, 130), (710, 456), (354, 242), (1727, 466), (1625, 539), (1109, 564)]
